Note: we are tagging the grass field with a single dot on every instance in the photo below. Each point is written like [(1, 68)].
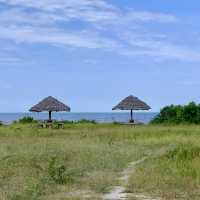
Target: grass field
[(83, 161)]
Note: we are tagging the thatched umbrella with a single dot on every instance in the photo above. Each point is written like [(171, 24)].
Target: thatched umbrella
[(132, 103), (50, 104)]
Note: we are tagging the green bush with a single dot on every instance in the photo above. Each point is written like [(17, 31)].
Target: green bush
[(26, 120), (57, 172), (1, 123), (177, 114), (67, 122), (86, 121)]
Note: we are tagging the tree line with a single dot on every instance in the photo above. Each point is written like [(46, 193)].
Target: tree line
[(179, 114)]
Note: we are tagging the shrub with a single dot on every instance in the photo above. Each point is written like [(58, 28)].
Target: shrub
[(56, 172), (60, 174), (86, 121), (67, 122), (26, 120), (1, 123), (177, 114)]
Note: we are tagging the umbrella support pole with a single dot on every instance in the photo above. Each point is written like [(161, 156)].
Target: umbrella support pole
[(132, 120), (50, 119)]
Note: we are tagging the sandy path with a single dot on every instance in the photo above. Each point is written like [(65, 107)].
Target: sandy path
[(119, 192)]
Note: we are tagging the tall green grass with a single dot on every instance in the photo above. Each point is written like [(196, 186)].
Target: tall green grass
[(35, 163), (175, 175), (87, 159)]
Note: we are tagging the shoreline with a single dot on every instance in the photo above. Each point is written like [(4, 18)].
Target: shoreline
[(104, 117)]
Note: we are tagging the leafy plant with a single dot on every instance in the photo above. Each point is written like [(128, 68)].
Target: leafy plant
[(26, 120), (57, 171), (177, 114), (86, 121)]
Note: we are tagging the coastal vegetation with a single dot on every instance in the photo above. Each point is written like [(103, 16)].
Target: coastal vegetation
[(84, 161), (178, 114), (27, 119)]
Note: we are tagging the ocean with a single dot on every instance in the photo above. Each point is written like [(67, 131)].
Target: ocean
[(144, 117)]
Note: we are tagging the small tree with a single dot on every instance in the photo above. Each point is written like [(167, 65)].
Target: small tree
[(179, 114)]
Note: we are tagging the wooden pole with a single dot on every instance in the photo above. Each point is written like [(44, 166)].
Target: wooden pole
[(132, 116), (50, 116)]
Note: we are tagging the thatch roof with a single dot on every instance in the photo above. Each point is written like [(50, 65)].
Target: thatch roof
[(132, 103), (50, 104)]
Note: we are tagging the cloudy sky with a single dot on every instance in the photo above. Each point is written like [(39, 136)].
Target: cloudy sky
[(92, 53)]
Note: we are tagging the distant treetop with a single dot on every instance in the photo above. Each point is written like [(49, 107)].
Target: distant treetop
[(179, 114)]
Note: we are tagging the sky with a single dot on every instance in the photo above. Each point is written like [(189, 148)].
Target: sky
[(91, 54)]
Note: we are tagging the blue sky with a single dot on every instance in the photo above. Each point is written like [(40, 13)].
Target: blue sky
[(92, 53)]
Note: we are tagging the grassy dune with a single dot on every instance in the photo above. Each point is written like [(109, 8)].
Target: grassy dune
[(83, 161)]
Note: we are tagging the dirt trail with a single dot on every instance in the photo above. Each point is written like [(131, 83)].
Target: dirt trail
[(119, 192)]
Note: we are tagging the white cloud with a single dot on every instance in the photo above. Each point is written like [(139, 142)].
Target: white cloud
[(149, 16), (53, 5), (88, 10), (21, 17), (160, 49), (55, 36), (102, 25)]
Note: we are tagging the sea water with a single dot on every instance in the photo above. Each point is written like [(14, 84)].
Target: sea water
[(144, 117)]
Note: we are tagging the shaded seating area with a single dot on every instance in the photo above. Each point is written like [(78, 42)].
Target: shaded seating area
[(132, 103), (52, 125), (50, 105)]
